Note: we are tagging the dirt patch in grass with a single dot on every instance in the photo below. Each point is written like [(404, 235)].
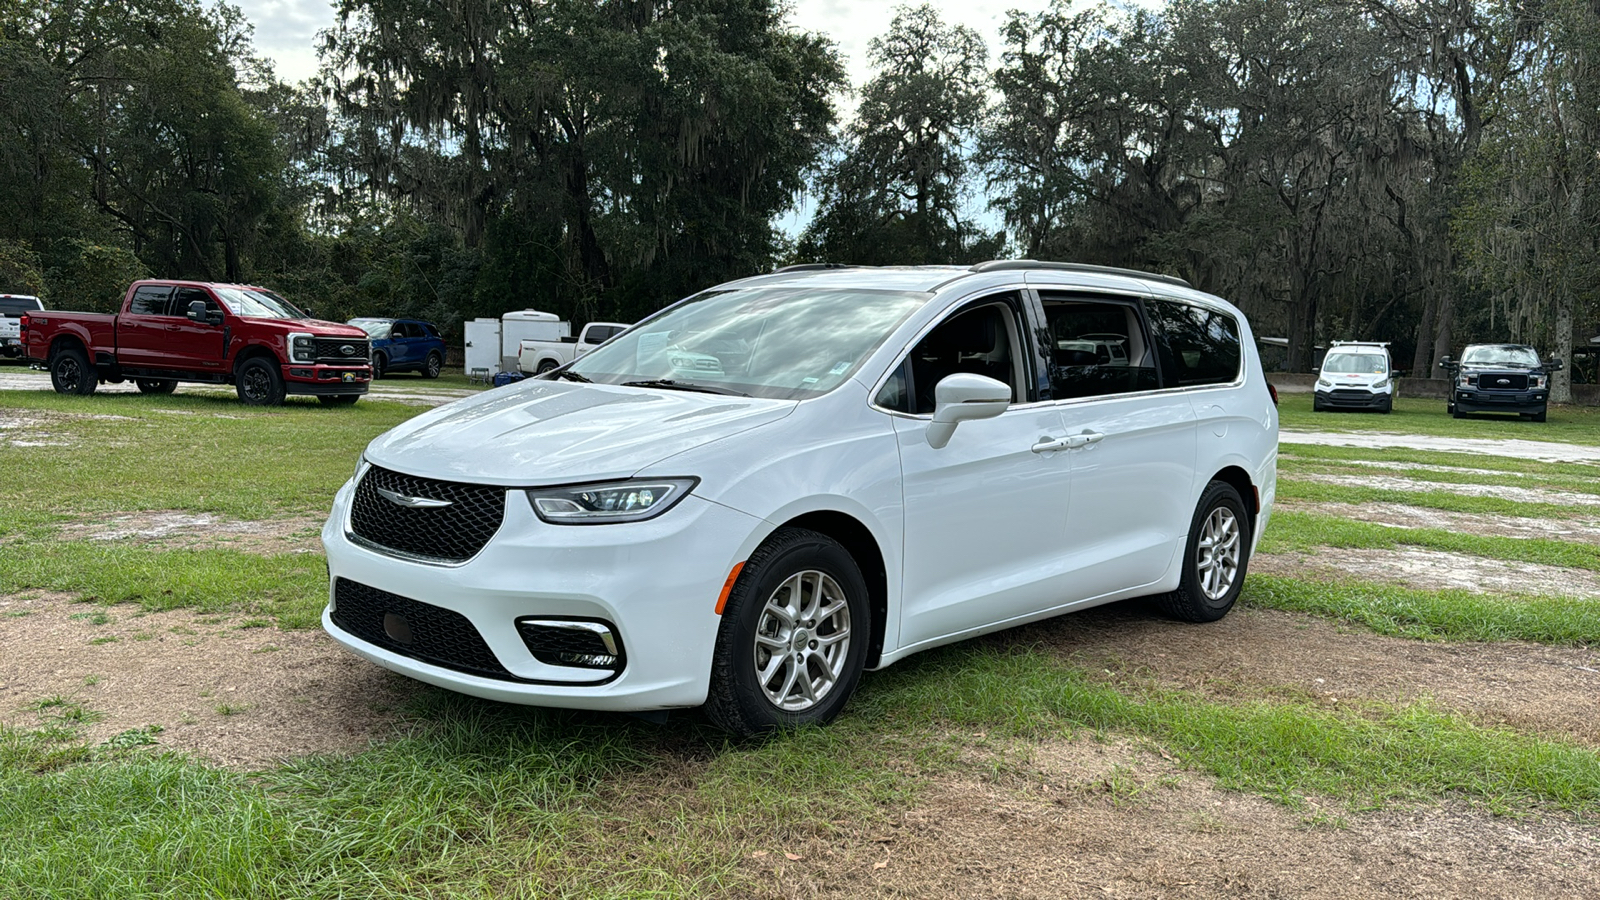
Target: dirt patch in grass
[(1543, 451), (40, 428), (1398, 515), (1432, 570), (1503, 492), (1253, 652), (1083, 819), (172, 529), (231, 690)]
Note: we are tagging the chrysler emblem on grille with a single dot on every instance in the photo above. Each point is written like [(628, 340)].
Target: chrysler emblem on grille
[(348, 350), (400, 499)]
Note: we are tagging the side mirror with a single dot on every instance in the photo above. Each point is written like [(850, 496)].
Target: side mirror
[(1446, 362), (1316, 370), (1553, 365), (962, 397), (199, 313)]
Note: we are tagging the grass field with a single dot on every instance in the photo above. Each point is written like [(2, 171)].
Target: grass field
[(464, 798)]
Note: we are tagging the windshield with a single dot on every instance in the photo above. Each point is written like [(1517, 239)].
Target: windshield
[(377, 329), (1501, 356), (781, 343), (257, 303), (1355, 364)]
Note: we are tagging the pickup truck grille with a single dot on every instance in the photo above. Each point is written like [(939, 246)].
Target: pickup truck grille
[(1491, 381), (451, 534), (412, 628), (332, 350)]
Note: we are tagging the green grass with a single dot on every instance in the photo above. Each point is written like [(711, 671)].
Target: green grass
[(1317, 452), (1299, 531), (481, 800), (1568, 424), (291, 588), (1290, 489), (1432, 615)]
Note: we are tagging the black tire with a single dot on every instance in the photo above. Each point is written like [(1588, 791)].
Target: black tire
[(1455, 412), (1388, 406), (1539, 416), (1193, 601), (739, 700), (430, 369), (1316, 404), (379, 361), (259, 382), (155, 385), (71, 373), (340, 400), (548, 365)]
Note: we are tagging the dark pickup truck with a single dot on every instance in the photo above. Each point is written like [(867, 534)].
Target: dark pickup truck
[(172, 331), (1499, 378)]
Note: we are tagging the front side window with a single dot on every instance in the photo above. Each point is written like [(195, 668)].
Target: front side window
[(979, 339), (1196, 346), (781, 343), (1096, 347)]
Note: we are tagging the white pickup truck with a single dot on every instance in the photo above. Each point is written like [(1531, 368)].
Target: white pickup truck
[(534, 357), (12, 306)]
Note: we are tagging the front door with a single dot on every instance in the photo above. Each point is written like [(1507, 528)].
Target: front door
[(195, 346), (142, 328), (985, 515)]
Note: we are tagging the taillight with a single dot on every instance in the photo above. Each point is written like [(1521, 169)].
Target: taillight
[(22, 331), (1274, 392)]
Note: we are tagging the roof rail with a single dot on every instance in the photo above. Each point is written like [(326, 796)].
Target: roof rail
[(813, 267), (996, 265), (1359, 343)]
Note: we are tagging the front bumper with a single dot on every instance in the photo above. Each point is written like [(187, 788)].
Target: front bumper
[(326, 381), (1353, 398), (655, 582), (1469, 400)]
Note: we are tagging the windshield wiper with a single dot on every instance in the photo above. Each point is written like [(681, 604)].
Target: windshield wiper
[(570, 376), (669, 384)]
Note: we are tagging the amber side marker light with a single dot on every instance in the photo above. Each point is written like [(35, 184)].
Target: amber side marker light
[(727, 586)]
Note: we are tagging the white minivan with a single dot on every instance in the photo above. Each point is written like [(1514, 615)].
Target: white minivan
[(1355, 375), (748, 499)]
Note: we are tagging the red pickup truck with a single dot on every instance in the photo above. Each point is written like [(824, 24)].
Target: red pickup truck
[(172, 331)]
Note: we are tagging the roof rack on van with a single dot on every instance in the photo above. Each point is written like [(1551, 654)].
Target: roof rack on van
[(996, 265), (813, 267), (1358, 343)]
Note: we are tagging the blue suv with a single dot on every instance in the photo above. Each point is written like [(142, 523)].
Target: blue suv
[(400, 345)]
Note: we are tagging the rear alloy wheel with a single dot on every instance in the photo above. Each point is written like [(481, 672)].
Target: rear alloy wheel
[(71, 373), (1215, 558), (259, 382), (430, 369), (793, 638), (155, 385), (340, 400)]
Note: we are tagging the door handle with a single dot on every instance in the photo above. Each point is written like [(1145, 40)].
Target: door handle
[(1048, 444), (1083, 439)]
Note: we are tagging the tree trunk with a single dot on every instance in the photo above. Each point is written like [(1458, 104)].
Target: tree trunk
[(1561, 382)]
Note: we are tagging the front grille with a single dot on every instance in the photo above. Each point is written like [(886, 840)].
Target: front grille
[(435, 635), (1514, 381), (1346, 394), (332, 350), (453, 533), (569, 644)]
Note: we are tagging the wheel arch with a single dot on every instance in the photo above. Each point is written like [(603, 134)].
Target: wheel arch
[(1240, 480), (67, 341), (858, 541), (254, 351)]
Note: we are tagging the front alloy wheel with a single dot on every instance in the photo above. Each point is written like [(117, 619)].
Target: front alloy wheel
[(793, 638)]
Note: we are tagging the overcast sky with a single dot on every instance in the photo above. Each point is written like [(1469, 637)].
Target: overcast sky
[(286, 30)]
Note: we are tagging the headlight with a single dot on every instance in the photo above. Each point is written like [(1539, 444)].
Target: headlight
[(1380, 384), (1537, 381), (615, 501), (1323, 382), (1463, 380), (302, 348)]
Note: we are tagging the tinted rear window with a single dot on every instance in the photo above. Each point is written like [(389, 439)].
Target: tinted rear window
[(19, 304), (1195, 345)]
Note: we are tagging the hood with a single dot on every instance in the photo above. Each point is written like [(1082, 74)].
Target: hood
[(558, 432), (318, 327)]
